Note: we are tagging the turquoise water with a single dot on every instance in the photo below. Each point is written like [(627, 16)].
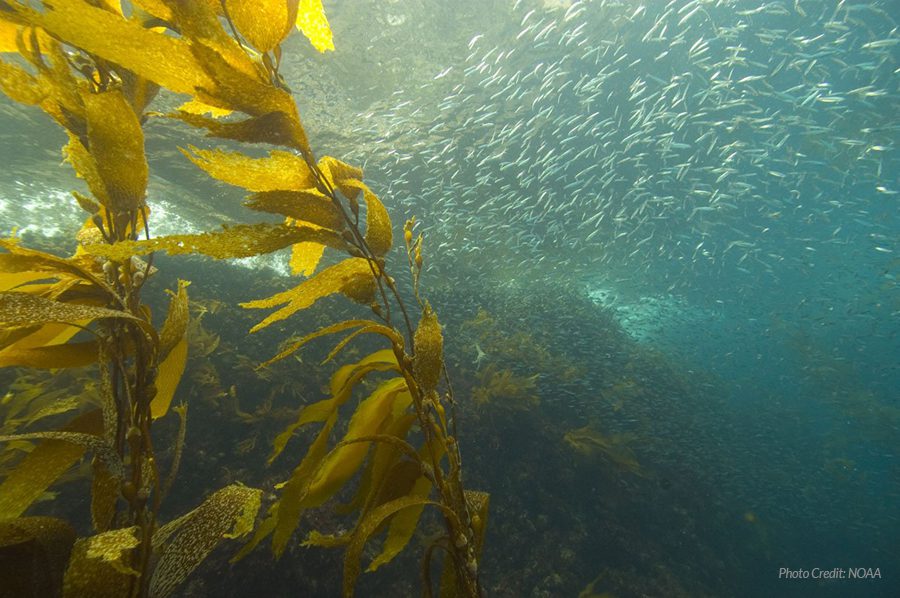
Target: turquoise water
[(693, 204)]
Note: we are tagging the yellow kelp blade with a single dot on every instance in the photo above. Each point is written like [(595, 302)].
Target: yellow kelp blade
[(402, 526), (368, 419), (379, 236), (263, 23), (105, 492), (334, 279), (44, 465), (385, 469), (79, 156), (176, 322), (99, 565), (8, 33), (347, 375), (371, 522), (51, 357), (21, 259), (337, 173), (242, 240), (374, 328), (339, 327), (117, 146), (156, 56), (287, 515), (320, 475), (198, 108), (170, 371), (307, 205), (279, 171), (305, 258), (20, 85), (182, 544), (24, 309), (275, 128), (312, 22), (173, 351), (342, 384)]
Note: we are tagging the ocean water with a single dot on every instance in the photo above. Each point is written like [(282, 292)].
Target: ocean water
[(678, 219)]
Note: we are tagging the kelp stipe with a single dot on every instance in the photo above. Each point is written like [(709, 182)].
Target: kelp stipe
[(226, 56)]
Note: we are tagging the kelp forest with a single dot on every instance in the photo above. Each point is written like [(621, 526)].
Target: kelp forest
[(338, 432)]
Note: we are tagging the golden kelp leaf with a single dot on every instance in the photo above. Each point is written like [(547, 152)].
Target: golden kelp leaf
[(114, 6), (198, 108), (182, 544), (11, 280), (338, 173), (428, 342), (402, 526), (382, 465), (372, 328), (51, 357), (338, 327), (177, 318), (43, 466), (158, 9), (287, 515), (161, 58), (241, 84), (99, 566), (8, 33), (62, 405), (308, 205), (21, 259), (343, 461), (138, 91), (35, 554), (170, 372), (91, 207), (342, 383), (18, 84), (331, 280), (348, 375), (242, 240), (367, 527), (275, 128), (85, 167), (101, 448), (263, 23), (111, 547), (41, 336), (24, 309), (279, 171), (305, 258), (104, 494), (312, 22), (117, 146), (379, 236)]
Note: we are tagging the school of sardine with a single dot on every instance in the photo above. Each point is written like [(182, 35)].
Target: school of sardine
[(682, 140)]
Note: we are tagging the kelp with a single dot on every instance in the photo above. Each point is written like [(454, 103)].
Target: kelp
[(95, 70), (497, 385)]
